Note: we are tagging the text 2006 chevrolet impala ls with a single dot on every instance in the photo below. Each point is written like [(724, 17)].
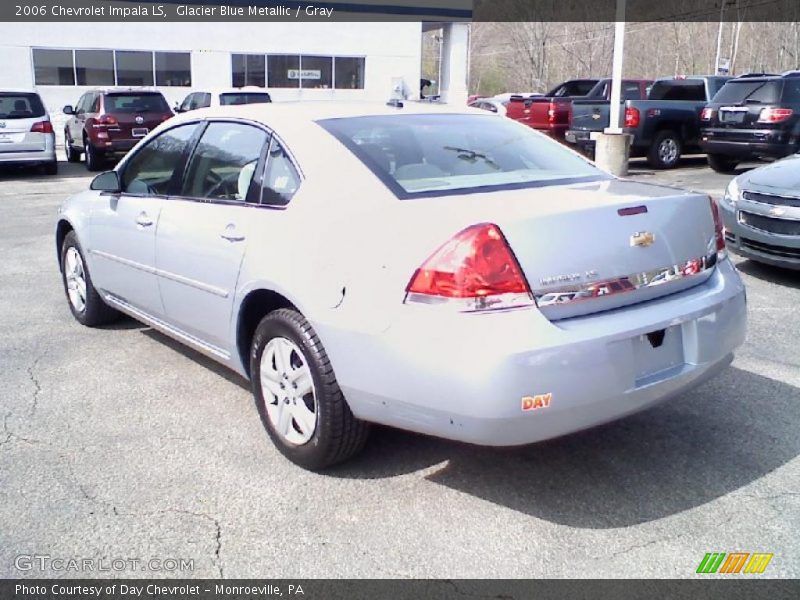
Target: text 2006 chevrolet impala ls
[(439, 270)]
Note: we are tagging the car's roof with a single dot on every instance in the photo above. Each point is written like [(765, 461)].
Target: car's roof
[(277, 112), (18, 91), (123, 90)]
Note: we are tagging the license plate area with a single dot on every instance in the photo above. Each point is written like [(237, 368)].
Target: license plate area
[(6, 138), (733, 116), (139, 132), (657, 353)]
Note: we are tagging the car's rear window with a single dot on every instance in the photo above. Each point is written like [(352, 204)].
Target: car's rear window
[(748, 90), (136, 103), (578, 87), (678, 89), (228, 99), (440, 154), (20, 106)]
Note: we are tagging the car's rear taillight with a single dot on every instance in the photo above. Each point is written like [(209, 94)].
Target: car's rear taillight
[(773, 114), (719, 230), (551, 113), (632, 117), (107, 120), (707, 114), (42, 127), (475, 269)]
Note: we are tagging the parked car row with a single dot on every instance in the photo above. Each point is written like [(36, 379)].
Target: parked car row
[(753, 116), (104, 124)]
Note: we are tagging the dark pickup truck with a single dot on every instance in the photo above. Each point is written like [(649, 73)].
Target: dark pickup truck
[(664, 126), (551, 113)]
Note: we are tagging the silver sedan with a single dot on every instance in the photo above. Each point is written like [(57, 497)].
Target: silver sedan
[(430, 268)]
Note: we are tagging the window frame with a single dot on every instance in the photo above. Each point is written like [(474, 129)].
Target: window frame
[(276, 140)]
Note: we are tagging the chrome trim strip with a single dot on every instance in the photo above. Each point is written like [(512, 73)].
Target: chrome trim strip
[(165, 328), (592, 290), (222, 293)]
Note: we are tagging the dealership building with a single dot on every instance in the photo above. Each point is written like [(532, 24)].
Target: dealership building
[(313, 60)]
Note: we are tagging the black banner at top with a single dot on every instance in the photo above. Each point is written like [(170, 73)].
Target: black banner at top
[(400, 10)]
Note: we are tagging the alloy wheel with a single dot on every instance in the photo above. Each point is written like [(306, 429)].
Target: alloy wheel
[(75, 276)]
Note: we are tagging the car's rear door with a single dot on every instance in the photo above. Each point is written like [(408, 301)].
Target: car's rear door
[(203, 231), (123, 230)]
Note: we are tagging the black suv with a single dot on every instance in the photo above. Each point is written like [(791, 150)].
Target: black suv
[(752, 117)]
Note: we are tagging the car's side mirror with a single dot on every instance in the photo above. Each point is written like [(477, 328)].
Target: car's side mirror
[(68, 110), (107, 182), (178, 108)]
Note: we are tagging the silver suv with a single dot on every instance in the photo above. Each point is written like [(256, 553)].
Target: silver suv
[(26, 134)]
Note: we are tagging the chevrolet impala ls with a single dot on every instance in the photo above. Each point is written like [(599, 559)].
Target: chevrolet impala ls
[(434, 269)]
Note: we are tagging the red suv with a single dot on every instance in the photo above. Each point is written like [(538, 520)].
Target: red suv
[(107, 123)]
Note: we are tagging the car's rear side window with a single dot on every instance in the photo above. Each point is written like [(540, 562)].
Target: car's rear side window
[(439, 154), (223, 164), (791, 90), (748, 90), (135, 103), (20, 106)]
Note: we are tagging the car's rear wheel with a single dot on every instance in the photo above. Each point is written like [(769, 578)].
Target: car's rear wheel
[(297, 396), (665, 152), (93, 158), (721, 163), (85, 302), (72, 155)]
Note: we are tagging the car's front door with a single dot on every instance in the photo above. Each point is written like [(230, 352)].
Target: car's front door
[(75, 123), (123, 231), (202, 233)]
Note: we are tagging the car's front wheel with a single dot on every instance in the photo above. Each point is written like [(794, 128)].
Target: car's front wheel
[(297, 396), (85, 302), (93, 159), (72, 155)]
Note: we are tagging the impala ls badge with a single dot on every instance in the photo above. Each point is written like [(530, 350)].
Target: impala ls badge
[(643, 239), (139, 120)]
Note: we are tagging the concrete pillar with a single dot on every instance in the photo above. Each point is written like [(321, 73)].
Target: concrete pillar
[(455, 63), (612, 151)]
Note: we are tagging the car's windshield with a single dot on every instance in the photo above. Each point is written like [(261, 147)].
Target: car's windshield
[(748, 90), (136, 103), (244, 98), (20, 106), (433, 154)]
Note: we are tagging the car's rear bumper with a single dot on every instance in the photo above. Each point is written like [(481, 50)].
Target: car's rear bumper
[(773, 144), (38, 157), (470, 377), (761, 246), (115, 146)]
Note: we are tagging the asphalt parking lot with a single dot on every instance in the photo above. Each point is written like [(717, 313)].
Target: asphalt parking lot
[(120, 443)]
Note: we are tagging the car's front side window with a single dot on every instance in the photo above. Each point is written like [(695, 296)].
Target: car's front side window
[(223, 164), (151, 170)]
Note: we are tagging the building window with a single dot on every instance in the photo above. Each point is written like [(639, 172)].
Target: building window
[(349, 73), (284, 70), (248, 69), (94, 67), (173, 69), (134, 68), (53, 67), (316, 72)]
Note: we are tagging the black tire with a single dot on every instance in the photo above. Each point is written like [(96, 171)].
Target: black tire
[(95, 312), (73, 156), (338, 434), (93, 158), (721, 163), (656, 156), (51, 168)]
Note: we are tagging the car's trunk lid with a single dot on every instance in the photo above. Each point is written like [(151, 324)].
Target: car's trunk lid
[(136, 113), (590, 247)]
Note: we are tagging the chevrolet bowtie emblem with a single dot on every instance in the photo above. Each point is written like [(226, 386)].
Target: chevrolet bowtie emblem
[(643, 239), (777, 211)]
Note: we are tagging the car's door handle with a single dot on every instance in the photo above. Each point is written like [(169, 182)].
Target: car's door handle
[(230, 234), (143, 220)]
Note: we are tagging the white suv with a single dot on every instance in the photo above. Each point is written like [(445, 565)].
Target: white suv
[(26, 133)]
